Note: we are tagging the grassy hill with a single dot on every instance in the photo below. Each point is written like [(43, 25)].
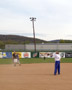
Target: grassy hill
[(19, 39), (16, 39)]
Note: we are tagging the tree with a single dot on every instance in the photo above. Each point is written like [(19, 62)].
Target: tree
[(2, 45)]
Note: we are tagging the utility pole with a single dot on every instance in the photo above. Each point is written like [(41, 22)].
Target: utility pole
[(33, 19)]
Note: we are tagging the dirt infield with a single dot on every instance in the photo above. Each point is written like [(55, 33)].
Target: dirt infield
[(35, 77)]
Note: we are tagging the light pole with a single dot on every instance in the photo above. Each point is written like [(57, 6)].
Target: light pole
[(33, 19)]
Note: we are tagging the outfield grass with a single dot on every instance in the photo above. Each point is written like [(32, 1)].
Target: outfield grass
[(35, 60)]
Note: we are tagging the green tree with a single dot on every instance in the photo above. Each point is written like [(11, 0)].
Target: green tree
[(2, 45), (62, 41)]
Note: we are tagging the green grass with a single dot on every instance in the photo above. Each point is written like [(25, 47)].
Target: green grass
[(35, 60)]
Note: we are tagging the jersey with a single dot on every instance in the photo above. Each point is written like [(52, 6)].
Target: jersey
[(57, 57), (14, 56)]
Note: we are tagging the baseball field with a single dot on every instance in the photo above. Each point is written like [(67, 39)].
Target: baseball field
[(35, 74)]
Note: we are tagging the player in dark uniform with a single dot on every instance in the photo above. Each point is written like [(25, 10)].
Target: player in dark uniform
[(14, 57)]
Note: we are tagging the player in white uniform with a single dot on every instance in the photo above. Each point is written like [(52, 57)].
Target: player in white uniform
[(57, 62)]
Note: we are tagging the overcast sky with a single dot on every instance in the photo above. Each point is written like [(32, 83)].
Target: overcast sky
[(54, 18)]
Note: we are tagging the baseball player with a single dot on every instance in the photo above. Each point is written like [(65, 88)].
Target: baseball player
[(14, 58), (57, 63), (18, 61)]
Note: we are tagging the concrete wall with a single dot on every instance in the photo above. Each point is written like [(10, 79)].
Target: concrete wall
[(49, 46), (14, 47)]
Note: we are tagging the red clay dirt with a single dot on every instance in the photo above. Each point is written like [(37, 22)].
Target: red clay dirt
[(35, 77)]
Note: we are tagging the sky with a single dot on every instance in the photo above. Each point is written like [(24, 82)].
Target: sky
[(53, 18)]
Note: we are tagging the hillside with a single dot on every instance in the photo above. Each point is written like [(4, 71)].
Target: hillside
[(16, 39), (60, 41)]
